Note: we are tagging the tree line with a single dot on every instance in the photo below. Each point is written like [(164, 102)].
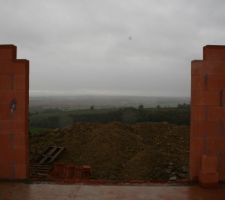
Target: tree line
[(55, 118)]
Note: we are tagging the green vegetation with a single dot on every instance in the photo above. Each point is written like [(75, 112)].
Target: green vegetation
[(56, 118), (37, 130)]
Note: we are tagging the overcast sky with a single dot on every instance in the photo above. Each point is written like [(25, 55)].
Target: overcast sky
[(131, 47)]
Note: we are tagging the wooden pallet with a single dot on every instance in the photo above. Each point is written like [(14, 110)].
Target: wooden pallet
[(40, 172), (42, 166), (50, 155)]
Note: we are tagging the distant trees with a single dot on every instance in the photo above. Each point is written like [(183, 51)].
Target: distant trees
[(52, 119), (129, 115), (45, 122), (141, 107)]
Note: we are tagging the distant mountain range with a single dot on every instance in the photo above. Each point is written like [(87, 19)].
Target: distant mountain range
[(86, 101)]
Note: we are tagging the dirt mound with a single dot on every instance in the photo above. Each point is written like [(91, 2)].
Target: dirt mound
[(122, 151)]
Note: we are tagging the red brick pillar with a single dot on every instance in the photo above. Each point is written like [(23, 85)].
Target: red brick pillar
[(207, 139), (14, 100)]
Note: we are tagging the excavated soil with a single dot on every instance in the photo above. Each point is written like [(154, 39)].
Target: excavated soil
[(118, 151)]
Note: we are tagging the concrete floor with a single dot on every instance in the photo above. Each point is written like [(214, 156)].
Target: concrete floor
[(21, 191)]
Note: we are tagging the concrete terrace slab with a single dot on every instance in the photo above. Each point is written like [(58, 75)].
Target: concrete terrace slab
[(21, 191)]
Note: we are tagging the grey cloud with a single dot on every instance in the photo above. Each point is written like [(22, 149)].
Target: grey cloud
[(124, 46)]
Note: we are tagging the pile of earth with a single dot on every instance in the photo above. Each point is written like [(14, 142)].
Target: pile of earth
[(119, 151)]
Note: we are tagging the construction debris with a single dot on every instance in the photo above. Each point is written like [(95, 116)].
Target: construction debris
[(70, 173), (50, 155), (41, 167), (118, 151), (40, 172)]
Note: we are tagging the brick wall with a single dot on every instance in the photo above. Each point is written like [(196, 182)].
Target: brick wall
[(207, 137), (14, 100)]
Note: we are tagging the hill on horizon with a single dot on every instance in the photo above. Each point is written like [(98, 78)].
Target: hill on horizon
[(103, 101)]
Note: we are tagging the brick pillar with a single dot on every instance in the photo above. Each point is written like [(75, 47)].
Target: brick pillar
[(207, 139), (14, 100)]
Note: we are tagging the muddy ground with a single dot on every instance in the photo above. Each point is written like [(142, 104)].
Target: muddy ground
[(118, 151)]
